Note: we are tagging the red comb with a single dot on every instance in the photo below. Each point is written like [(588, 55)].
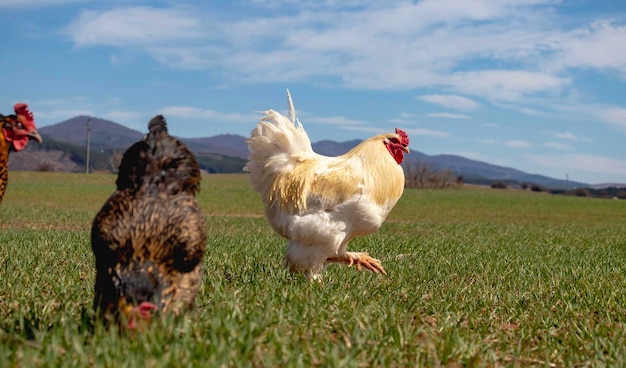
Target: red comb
[(143, 312), (405, 138), (21, 109)]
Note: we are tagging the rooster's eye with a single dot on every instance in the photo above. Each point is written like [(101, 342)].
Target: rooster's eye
[(19, 125)]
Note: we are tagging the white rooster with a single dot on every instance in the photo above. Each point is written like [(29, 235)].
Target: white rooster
[(320, 203)]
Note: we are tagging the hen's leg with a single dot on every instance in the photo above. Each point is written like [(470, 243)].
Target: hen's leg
[(360, 260)]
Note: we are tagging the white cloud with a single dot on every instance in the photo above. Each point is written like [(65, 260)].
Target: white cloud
[(401, 121), (58, 109), (410, 131), (508, 85), (518, 144), (35, 3), (600, 45), (58, 102), (447, 115), (61, 114), (582, 162), (371, 45), (568, 136), (565, 135), (427, 132), (615, 116), (558, 145), (334, 120), (197, 113), (531, 112), (522, 109), (311, 4), (133, 26), (451, 101), (114, 59)]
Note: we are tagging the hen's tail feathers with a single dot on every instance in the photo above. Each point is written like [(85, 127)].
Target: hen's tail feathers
[(157, 124), (159, 162)]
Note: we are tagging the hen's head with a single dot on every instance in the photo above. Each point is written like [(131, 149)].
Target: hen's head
[(139, 287), (18, 129), (397, 144)]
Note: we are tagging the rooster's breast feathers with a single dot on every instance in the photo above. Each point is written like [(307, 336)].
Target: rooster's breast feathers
[(325, 182)]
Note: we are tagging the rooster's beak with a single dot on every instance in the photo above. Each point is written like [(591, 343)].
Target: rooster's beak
[(34, 136), (405, 149)]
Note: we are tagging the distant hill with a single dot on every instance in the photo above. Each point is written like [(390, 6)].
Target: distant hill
[(608, 185), (65, 145), (105, 134), (108, 135), (488, 172), (224, 144), (54, 155), (64, 148)]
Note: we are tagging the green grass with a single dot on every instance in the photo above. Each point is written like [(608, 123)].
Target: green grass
[(476, 277)]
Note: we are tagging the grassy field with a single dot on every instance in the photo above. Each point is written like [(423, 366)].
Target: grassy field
[(476, 277)]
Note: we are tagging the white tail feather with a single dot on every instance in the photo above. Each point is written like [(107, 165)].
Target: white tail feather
[(292, 110), (272, 144)]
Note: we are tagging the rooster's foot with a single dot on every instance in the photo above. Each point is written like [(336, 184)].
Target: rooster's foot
[(360, 260)]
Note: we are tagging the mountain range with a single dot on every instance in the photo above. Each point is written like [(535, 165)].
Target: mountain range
[(64, 149)]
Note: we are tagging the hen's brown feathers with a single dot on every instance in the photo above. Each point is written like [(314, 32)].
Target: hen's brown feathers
[(149, 237), (159, 162)]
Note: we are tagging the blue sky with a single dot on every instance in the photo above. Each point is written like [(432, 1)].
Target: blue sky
[(531, 84)]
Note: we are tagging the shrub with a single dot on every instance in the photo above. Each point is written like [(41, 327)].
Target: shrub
[(580, 192), (499, 185), (45, 167)]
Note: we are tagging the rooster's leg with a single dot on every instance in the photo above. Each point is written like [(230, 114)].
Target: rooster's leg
[(360, 260)]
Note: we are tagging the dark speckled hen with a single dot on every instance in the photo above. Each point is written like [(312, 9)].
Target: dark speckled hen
[(149, 238)]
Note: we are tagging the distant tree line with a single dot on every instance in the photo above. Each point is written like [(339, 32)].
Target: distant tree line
[(420, 175), (534, 187), (611, 192)]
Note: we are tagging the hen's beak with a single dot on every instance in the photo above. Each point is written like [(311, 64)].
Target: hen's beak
[(34, 135), (136, 315)]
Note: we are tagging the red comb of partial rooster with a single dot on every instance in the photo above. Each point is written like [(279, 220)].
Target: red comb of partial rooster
[(405, 138), (21, 110)]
